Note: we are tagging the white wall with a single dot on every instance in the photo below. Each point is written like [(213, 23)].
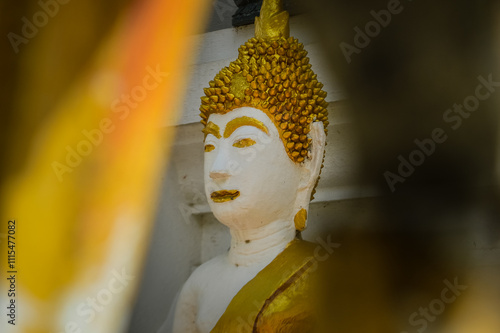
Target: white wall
[(174, 251)]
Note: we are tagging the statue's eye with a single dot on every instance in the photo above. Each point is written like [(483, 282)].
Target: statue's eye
[(244, 143), (209, 148)]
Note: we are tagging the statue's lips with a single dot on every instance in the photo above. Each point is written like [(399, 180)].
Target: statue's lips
[(224, 195)]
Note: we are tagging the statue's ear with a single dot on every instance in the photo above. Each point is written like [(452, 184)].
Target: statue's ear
[(312, 166), (309, 175)]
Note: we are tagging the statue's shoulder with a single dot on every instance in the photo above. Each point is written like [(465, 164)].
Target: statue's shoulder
[(208, 268)]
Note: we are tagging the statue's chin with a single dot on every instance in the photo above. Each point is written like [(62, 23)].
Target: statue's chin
[(241, 215), (230, 213)]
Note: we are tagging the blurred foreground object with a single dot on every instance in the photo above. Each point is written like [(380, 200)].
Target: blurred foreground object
[(80, 182), (424, 85)]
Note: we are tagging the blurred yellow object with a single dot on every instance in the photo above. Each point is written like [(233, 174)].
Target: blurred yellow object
[(84, 199)]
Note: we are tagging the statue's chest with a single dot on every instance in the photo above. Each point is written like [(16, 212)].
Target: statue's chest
[(216, 292)]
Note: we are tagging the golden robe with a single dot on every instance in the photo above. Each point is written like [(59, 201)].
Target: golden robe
[(280, 298)]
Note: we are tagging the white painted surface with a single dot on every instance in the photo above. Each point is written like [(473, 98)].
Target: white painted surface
[(272, 189)]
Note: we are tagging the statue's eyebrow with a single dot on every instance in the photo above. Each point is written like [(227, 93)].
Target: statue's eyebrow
[(243, 121), (213, 129)]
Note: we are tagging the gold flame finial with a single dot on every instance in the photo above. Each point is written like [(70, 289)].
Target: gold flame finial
[(273, 21)]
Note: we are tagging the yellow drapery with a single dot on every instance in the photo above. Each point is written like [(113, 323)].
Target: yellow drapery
[(83, 198)]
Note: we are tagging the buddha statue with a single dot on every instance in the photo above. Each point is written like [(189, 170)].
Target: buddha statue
[(265, 122)]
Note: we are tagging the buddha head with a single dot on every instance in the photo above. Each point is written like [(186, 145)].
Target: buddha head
[(265, 122)]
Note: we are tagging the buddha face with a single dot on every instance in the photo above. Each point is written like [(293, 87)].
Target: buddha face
[(250, 180)]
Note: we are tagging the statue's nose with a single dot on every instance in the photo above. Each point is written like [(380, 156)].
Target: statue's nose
[(219, 169), (219, 174)]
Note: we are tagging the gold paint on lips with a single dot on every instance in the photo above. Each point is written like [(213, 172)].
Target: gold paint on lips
[(224, 195)]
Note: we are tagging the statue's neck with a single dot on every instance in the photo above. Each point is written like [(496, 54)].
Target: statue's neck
[(259, 246)]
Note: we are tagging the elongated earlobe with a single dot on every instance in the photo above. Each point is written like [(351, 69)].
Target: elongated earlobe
[(313, 165), (310, 173), (300, 219)]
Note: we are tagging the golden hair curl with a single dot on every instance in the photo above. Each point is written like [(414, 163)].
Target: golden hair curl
[(276, 78)]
